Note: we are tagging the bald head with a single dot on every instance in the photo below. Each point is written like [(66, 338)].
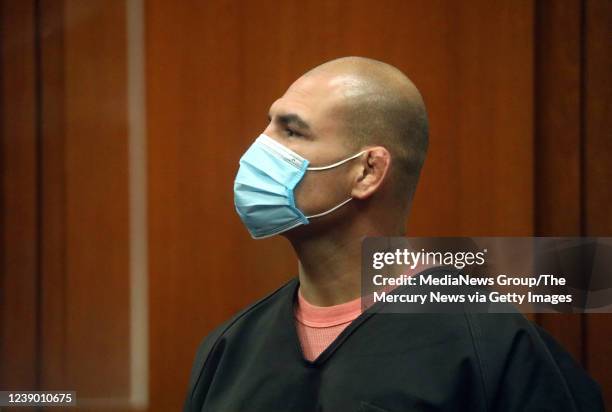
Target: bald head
[(381, 106)]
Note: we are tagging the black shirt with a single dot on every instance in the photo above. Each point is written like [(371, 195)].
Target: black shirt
[(386, 362)]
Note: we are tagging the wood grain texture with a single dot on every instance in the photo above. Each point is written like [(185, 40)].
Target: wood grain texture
[(597, 112), (54, 357), (214, 68), (518, 94), (202, 263), (558, 126), (477, 179), (558, 137), (88, 197), (19, 223)]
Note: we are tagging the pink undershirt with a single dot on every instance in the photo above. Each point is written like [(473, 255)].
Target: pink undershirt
[(318, 326)]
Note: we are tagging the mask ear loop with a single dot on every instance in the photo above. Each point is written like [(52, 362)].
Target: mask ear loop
[(329, 167), (337, 163), (330, 210)]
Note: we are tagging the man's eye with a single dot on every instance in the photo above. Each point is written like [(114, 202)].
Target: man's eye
[(291, 133)]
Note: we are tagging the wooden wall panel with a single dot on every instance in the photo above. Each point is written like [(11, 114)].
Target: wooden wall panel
[(597, 112), (558, 136), (214, 68), (518, 94), (64, 242), (558, 126), (201, 261), (96, 207), (19, 202), (54, 357), (65, 283), (573, 149), (597, 126), (481, 110)]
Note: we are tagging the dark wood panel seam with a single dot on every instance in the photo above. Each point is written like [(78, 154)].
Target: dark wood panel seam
[(39, 189), (2, 188), (583, 160), (536, 116)]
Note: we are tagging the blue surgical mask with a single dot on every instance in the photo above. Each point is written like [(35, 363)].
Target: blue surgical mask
[(264, 188)]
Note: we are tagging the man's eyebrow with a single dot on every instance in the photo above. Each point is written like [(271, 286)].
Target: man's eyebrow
[(292, 118)]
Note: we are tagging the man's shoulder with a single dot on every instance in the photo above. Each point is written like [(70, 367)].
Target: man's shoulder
[(256, 309), (263, 304)]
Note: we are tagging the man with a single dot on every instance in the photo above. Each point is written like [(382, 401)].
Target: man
[(338, 162)]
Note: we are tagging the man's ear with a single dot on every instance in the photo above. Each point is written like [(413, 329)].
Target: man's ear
[(373, 169)]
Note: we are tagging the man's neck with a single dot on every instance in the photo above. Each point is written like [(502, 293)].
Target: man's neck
[(330, 265), (329, 270)]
